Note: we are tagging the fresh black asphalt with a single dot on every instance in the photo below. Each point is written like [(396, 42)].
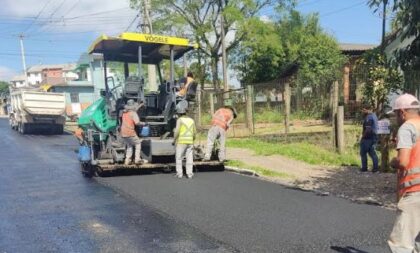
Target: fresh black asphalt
[(47, 206)]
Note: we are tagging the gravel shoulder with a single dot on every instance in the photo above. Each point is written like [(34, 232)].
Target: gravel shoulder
[(346, 182)]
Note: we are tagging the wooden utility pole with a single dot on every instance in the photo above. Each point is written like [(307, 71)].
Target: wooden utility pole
[(148, 28), (287, 96), (340, 129), (224, 61), (334, 111)]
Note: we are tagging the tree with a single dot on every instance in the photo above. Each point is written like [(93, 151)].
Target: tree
[(271, 47), (294, 39), (381, 79), (202, 19), (376, 5), (409, 20), (4, 87)]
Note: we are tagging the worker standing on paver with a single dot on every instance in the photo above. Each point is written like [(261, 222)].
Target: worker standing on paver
[(130, 120), (184, 136), (407, 225), (221, 121), (186, 84)]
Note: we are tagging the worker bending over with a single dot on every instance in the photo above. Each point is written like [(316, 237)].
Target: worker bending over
[(130, 120), (221, 122), (184, 136)]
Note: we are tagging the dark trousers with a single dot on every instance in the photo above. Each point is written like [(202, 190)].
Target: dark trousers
[(367, 146)]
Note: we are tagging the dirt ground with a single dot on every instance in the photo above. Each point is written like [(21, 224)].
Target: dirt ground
[(346, 182)]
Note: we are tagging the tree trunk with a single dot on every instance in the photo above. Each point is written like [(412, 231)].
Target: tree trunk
[(385, 3)]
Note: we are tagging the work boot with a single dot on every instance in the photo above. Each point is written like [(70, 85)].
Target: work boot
[(375, 170)]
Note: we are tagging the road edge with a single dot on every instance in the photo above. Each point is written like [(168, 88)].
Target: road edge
[(288, 185)]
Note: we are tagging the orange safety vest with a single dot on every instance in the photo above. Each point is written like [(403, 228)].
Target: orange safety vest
[(128, 126), (409, 178), (221, 118)]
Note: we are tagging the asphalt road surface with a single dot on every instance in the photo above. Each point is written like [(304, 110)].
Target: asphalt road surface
[(47, 206)]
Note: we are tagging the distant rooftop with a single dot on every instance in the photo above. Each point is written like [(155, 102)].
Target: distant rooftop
[(350, 47), (65, 67), (18, 78)]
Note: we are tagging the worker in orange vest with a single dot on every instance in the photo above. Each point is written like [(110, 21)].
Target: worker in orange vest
[(221, 122), (405, 236), (130, 120)]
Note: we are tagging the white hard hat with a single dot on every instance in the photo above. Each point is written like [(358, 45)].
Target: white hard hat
[(405, 101)]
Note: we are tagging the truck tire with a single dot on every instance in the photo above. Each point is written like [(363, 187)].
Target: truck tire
[(87, 170), (24, 128), (59, 129)]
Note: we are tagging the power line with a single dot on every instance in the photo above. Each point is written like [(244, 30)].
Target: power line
[(132, 22), (37, 16), (343, 9), (72, 8)]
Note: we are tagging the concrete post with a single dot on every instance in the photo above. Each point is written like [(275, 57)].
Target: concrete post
[(287, 95), (249, 108)]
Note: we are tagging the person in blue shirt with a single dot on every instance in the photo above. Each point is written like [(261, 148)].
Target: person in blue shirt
[(369, 138)]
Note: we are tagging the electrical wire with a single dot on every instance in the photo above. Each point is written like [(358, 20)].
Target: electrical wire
[(37, 16), (343, 9)]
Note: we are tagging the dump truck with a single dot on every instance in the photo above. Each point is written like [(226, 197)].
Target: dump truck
[(37, 111), (102, 149)]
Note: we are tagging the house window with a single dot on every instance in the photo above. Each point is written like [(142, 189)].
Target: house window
[(74, 97)]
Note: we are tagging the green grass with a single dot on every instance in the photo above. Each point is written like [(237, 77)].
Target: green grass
[(309, 153), (259, 170)]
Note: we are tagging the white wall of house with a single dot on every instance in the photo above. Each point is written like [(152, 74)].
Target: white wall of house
[(18, 84), (34, 78), (70, 75)]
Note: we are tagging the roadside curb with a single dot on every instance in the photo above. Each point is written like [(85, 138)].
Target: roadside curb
[(242, 171)]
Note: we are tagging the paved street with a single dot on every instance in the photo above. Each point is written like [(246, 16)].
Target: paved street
[(47, 206)]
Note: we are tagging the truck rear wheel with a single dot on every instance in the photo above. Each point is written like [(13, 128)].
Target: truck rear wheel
[(23, 128), (59, 129), (26, 128), (88, 170)]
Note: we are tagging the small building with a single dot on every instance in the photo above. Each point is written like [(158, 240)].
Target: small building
[(18, 81), (51, 74), (79, 95), (90, 67), (351, 84)]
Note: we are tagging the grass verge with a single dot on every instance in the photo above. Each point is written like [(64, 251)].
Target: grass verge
[(305, 152), (259, 170)]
